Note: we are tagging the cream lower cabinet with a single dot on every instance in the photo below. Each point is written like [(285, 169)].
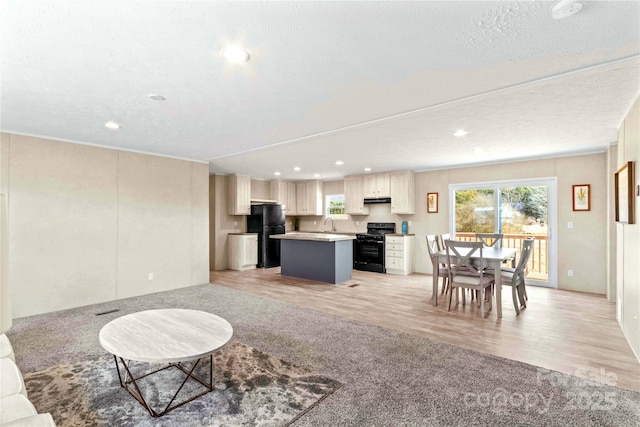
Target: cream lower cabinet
[(399, 254), (243, 251)]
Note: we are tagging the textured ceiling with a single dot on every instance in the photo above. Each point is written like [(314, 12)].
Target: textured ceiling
[(375, 84)]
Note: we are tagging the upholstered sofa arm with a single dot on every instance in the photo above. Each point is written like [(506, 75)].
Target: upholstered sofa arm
[(38, 420), (15, 408)]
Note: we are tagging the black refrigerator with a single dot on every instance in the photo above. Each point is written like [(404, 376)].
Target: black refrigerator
[(267, 220)]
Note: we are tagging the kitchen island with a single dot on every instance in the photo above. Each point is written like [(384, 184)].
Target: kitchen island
[(323, 257)]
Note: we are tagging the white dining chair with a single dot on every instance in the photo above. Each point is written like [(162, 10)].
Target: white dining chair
[(515, 277), (432, 246), (490, 239), (463, 273)]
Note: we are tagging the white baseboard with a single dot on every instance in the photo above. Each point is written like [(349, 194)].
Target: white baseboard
[(628, 341)]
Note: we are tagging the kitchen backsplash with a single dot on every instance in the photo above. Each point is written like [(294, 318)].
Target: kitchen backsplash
[(355, 223)]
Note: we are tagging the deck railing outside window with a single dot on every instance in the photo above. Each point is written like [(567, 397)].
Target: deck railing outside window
[(537, 266)]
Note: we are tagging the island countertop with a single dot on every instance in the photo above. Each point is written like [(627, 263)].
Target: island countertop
[(316, 237)]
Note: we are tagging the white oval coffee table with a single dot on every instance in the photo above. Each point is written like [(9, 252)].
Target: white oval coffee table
[(172, 336)]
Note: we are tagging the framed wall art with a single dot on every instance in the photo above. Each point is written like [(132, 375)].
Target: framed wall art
[(625, 204), (582, 197), (432, 202)]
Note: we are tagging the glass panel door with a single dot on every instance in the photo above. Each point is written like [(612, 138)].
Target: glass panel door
[(475, 212), (518, 210), (523, 214)]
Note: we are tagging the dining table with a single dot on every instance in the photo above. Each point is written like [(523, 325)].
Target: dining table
[(491, 256)]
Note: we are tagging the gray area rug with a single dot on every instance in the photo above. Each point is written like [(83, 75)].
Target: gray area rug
[(251, 389), (389, 378)]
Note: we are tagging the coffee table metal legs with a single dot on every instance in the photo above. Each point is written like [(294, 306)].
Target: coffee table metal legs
[(135, 391)]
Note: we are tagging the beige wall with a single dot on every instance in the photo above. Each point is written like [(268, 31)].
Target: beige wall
[(5, 292), (612, 162), (580, 248), (88, 224), (628, 237)]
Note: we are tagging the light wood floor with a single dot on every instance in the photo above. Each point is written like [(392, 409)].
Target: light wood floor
[(559, 330)]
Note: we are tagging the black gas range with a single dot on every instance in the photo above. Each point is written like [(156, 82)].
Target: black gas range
[(368, 249)]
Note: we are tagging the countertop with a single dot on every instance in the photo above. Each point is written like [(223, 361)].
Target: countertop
[(242, 234), (325, 232), (317, 237), (399, 234)]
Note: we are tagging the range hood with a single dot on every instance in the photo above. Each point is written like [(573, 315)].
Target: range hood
[(372, 200)]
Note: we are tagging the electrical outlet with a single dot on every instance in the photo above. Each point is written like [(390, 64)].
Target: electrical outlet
[(570, 273), (235, 223), (314, 222), (357, 222), (570, 224), (409, 224), (150, 276)]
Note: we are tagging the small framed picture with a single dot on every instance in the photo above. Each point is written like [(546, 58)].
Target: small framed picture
[(582, 197), (432, 202), (625, 203)]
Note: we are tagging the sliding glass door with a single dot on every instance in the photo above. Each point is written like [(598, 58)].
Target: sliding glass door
[(516, 209)]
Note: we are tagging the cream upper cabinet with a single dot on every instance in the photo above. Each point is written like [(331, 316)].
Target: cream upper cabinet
[(278, 191), (309, 197), (239, 194), (284, 192), (377, 185), (291, 203), (354, 195), (403, 192)]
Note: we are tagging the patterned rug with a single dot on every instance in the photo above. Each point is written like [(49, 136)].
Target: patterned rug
[(251, 389)]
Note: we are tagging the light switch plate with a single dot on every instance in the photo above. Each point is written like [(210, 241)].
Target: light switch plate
[(570, 224)]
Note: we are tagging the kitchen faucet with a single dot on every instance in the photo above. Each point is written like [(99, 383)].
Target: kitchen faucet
[(333, 228)]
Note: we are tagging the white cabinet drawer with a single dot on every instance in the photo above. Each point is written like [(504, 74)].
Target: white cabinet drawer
[(394, 263), (394, 239), (395, 246), (396, 254)]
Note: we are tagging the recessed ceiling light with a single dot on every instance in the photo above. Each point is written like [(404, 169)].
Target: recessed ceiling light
[(276, 173), (156, 97), (316, 175), (460, 132), (297, 168), (112, 125), (339, 163), (565, 8), (235, 54), (367, 169), (478, 150)]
